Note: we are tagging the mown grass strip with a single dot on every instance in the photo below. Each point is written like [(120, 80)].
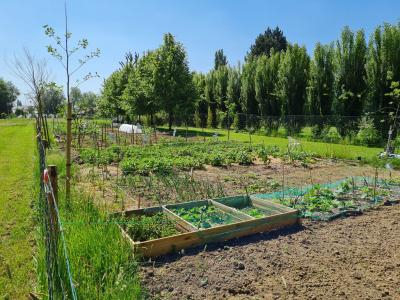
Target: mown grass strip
[(17, 246)]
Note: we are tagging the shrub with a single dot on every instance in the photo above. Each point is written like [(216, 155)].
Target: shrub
[(282, 131), (244, 158), (307, 133), (396, 142), (264, 155), (129, 166), (367, 134), (331, 134), (89, 155), (216, 160)]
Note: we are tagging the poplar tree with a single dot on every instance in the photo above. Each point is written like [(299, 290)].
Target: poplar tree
[(351, 86), (266, 78), (383, 61), (221, 85), (201, 105), (322, 79), (209, 92), (248, 92), (292, 80), (233, 98)]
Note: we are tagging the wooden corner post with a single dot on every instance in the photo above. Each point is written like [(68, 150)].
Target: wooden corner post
[(53, 202)]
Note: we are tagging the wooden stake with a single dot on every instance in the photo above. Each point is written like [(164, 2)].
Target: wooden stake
[(229, 127), (186, 131), (52, 202), (375, 180), (54, 180), (105, 135), (283, 180)]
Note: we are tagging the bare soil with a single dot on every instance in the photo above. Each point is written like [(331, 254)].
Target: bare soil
[(235, 179), (351, 258)]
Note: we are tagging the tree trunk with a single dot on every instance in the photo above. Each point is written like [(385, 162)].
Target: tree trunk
[(68, 153), (69, 120), (170, 118)]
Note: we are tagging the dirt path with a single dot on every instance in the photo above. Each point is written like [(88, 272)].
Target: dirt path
[(352, 258)]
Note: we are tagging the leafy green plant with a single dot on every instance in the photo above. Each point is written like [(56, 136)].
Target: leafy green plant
[(253, 211), (331, 134), (344, 187), (89, 155), (367, 134), (282, 131), (145, 228), (319, 199), (244, 158), (307, 133), (264, 155), (204, 216), (216, 160)]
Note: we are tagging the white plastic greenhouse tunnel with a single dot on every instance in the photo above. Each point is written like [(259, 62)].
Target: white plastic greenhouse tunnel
[(129, 128)]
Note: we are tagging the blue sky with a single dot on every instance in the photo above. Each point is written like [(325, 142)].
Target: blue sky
[(203, 26)]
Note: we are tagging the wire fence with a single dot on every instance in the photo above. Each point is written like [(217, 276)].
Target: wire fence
[(60, 284), (350, 130)]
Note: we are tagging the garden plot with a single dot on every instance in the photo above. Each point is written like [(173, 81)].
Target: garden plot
[(205, 214), (160, 230), (251, 206), (345, 197)]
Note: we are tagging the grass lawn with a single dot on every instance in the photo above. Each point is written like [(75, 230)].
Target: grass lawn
[(17, 246), (324, 149)]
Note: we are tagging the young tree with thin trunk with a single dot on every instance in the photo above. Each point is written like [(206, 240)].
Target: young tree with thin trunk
[(63, 51), (33, 72)]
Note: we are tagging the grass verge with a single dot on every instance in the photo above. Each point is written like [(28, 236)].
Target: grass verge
[(102, 262), (17, 244)]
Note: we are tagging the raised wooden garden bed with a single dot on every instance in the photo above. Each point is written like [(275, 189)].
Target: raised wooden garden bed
[(207, 221)]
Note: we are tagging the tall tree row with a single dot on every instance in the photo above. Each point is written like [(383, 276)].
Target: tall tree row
[(383, 66), (351, 85), (159, 81), (322, 80), (8, 95), (347, 77), (266, 78)]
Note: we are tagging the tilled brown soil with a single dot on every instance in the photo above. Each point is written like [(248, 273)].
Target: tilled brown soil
[(352, 258)]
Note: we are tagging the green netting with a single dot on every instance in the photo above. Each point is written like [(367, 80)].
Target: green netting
[(357, 181)]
